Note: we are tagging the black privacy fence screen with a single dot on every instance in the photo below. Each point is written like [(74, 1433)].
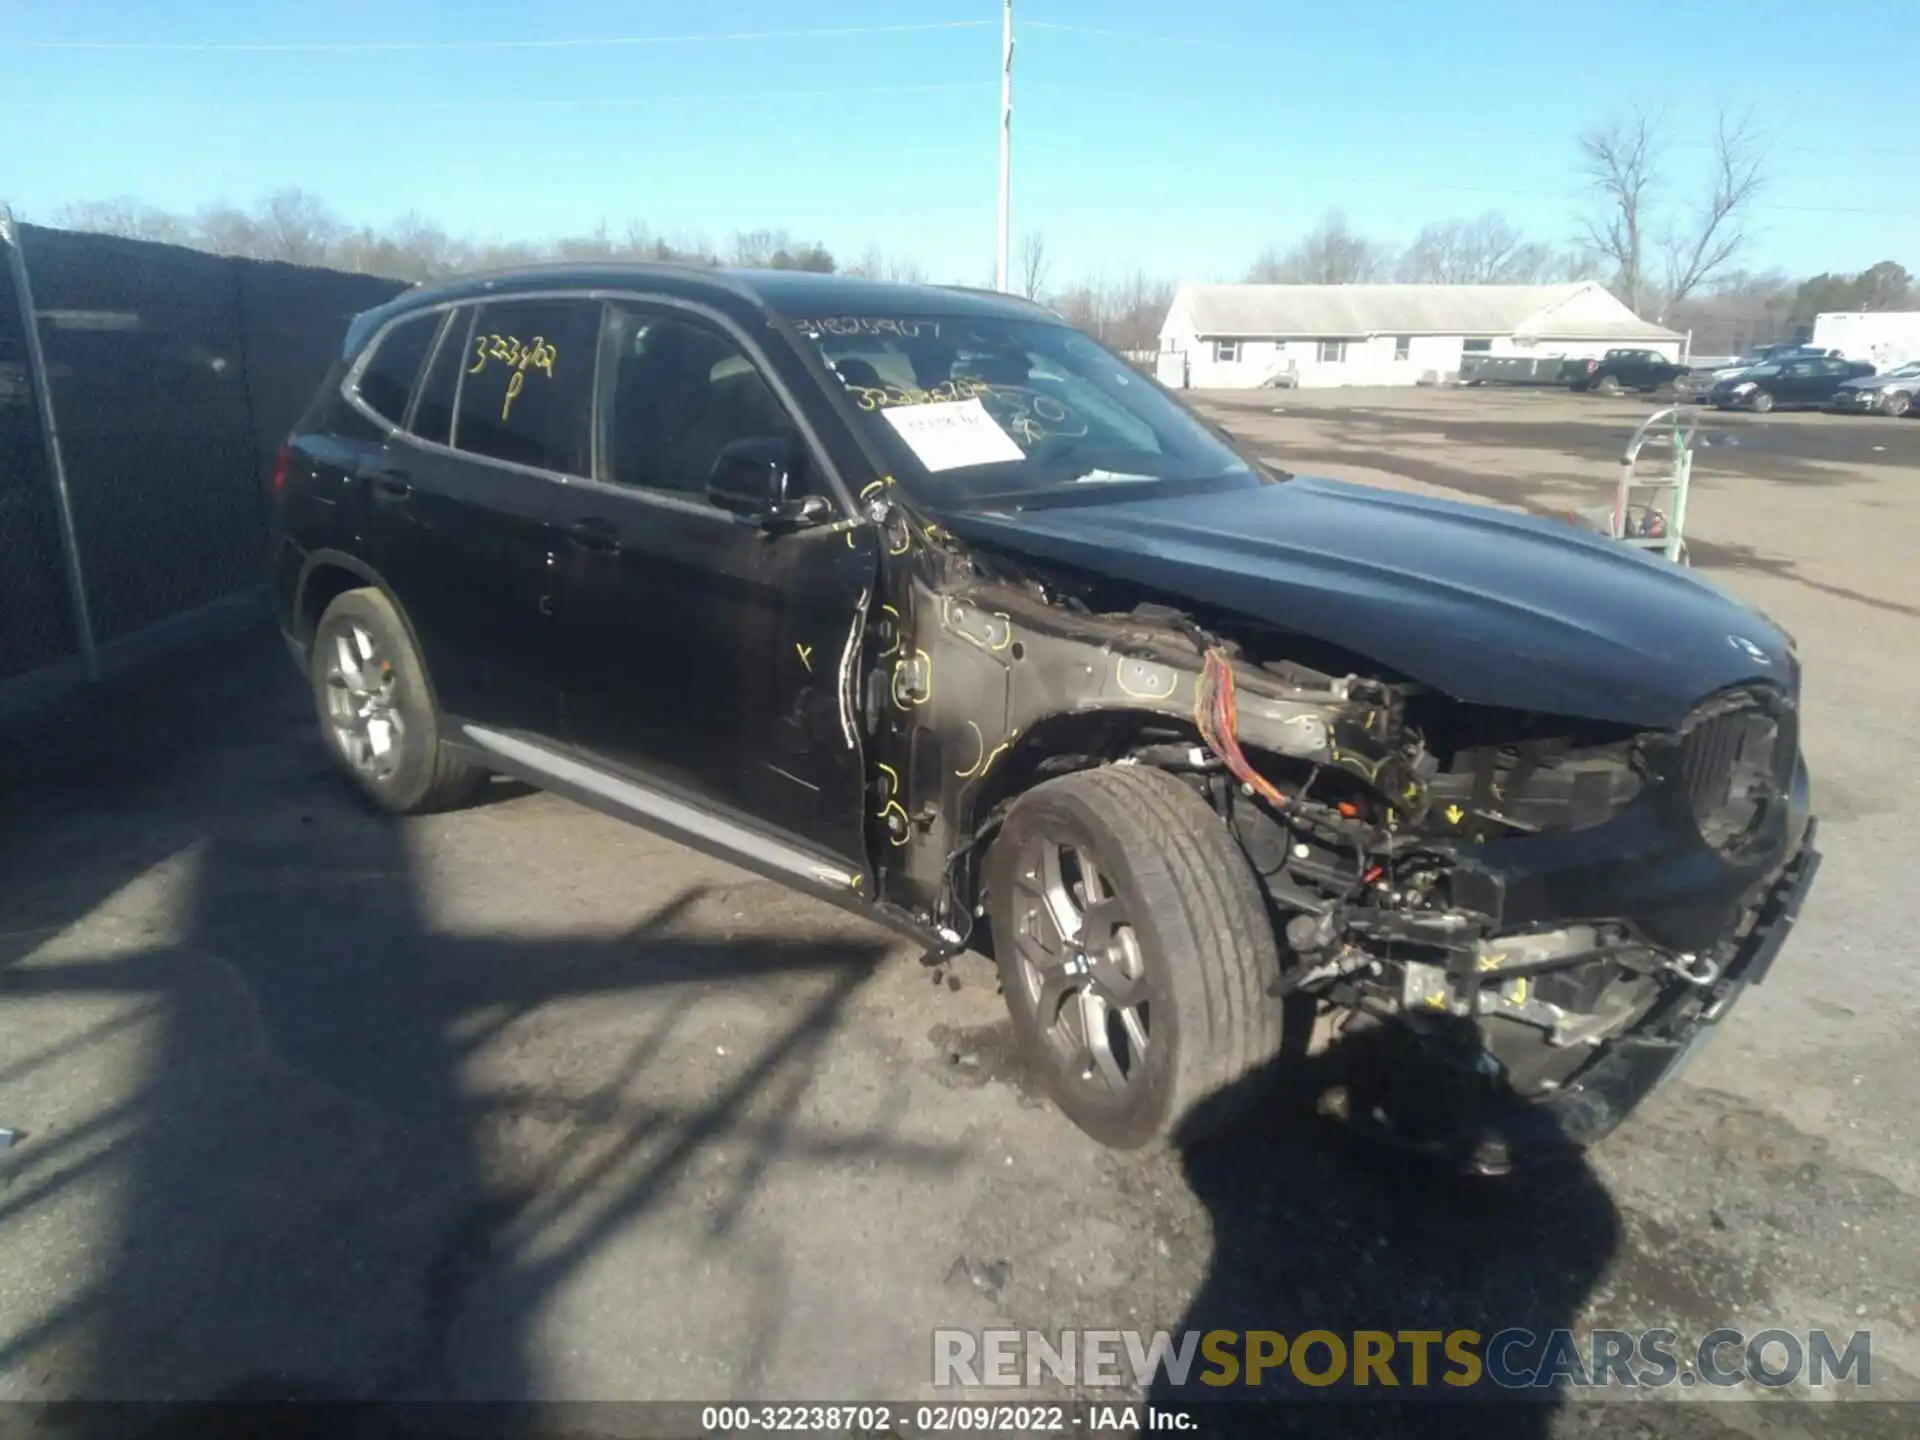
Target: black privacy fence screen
[(137, 435)]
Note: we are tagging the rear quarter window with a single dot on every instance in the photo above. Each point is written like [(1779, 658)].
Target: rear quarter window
[(439, 392), (387, 378)]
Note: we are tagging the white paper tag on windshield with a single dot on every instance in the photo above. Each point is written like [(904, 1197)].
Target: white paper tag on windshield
[(948, 434)]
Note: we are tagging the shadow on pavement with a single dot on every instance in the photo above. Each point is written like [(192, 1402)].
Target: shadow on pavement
[(1316, 1229), (258, 1129)]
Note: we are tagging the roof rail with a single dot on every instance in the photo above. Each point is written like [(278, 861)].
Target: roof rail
[(714, 273), (1002, 295)]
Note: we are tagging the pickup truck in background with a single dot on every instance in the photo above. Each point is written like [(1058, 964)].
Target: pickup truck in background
[(1625, 369)]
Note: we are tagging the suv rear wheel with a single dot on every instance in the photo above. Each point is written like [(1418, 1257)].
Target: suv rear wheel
[(1135, 952), (376, 709)]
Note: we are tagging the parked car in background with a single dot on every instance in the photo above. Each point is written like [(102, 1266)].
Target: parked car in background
[(1627, 369), (1798, 382), (1703, 378), (1891, 392), (1769, 354)]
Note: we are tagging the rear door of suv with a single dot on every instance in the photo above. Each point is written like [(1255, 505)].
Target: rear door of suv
[(462, 502)]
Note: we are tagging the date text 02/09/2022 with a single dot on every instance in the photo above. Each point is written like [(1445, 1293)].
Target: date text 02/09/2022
[(866, 1418)]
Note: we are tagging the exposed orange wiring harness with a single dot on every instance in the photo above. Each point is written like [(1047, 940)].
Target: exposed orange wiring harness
[(1216, 715)]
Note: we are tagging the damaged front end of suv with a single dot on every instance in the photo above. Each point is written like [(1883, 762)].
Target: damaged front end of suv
[(1490, 820), (1511, 924)]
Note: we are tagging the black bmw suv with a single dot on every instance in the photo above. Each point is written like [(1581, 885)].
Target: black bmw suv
[(921, 601)]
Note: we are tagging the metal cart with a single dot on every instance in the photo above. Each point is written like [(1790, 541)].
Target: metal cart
[(1649, 506)]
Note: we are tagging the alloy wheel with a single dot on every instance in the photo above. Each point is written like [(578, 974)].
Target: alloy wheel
[(1079, 957), (362, 708)]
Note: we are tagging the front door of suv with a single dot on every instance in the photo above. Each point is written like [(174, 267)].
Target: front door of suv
[(707, 656), (466, 503)]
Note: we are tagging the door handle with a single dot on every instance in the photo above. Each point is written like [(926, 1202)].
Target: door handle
[(594, 535), (389, 485)]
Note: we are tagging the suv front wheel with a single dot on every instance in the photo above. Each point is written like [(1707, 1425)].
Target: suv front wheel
[(1135, 953), (376, 709)]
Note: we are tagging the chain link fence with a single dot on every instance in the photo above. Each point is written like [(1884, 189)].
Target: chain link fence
[(171, 377)]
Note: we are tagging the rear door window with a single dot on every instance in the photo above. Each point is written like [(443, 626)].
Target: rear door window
[(387, 380), (526, 384)]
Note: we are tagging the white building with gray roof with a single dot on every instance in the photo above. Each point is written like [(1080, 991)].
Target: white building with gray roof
[(1243, 336)]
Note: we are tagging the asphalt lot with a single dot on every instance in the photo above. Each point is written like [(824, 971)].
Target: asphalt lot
[(519, 1102)]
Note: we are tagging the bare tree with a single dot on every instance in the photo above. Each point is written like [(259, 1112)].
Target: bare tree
[(1716, 233), (296, 226), (1485, 250), (1332, 253), (1619, 158), (775, 250), (876, 264), (227, 230), (124, 216), (1736, 311), (1125, 313), (600, 243), (1623, 160), (1034, 264)]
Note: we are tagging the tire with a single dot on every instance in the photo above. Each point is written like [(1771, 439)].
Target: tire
[(1760, 402), (1898, 403), (1607, 385), (376, 711), (1187, 932)]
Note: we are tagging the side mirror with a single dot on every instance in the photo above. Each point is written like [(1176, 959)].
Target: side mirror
[(750, 479)]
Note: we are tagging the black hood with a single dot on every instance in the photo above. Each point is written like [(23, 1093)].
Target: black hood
[(1491, 607)]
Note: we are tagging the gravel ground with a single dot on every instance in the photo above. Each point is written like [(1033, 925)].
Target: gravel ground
[(518, 1102)]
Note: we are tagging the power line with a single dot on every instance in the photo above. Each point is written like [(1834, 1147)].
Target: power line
[(1105, 33), (317, 47), (575, 102), (349, 47), (352, 47)]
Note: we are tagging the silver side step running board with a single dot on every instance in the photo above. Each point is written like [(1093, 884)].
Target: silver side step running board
[(823, 876)]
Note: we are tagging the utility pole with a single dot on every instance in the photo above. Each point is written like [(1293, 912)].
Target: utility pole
[(1003, 267)]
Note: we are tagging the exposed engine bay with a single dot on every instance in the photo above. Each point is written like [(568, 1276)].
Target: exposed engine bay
[(1425, 862)]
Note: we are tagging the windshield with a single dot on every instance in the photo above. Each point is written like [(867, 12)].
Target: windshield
[(992, 411), (1901, 372)]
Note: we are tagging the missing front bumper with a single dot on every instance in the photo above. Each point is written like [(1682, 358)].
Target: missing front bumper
[(1439, 1093)]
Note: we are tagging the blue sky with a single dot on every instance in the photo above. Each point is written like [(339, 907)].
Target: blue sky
[(1200, 132)]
